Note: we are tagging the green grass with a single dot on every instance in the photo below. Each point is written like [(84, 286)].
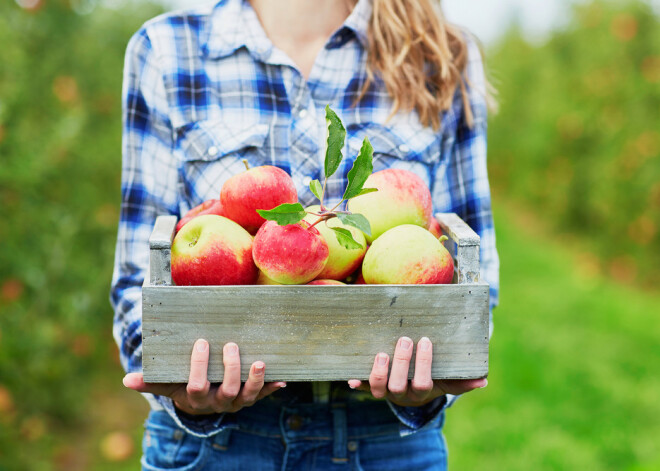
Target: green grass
[(574, 358)]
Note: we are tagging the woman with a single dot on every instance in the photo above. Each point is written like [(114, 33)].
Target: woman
[(207, 88)]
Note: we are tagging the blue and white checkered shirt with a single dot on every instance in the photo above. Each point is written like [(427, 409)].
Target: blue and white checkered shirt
[(206, 88)]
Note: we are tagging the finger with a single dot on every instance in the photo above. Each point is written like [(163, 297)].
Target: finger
[(398, 383), (270, 388), (354, 383), (461, 386), (252, 386), (378, 376), (198, 383), (231, 383), (135, 381), (422, 383)]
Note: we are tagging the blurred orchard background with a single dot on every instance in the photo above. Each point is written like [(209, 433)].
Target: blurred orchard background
[(575, 171)]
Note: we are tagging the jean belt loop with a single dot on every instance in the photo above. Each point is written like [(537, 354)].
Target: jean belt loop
[(339, 445), (221, 440)]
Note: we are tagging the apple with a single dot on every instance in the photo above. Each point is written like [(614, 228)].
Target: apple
[(292, 255), (262, 187), (325, 282), (213, 250), (342, 261), (402, 198), (264, 280), (207, 207), (407, 254), (434, 227)]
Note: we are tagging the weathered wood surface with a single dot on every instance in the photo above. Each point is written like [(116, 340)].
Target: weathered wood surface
[(314, 332), (463, 244), (160, 245)]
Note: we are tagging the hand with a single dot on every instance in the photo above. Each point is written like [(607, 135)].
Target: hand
[(422, 389), (199, 396)]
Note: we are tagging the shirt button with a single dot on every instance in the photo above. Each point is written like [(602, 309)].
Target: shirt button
[(352, 446), (307, 181), (294, 422), (404, 148), (302, 114), (213, 151)]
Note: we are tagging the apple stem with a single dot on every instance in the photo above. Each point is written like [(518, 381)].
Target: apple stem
[(337, 205), (247, 165), (325, 181), (324, 217)]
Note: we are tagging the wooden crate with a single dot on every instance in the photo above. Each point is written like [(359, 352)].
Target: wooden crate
[(315, 333)]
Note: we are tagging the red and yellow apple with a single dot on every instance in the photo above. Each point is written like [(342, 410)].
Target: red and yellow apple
[(212, 250), (434, 227), (407, 254), (262, 187), (402, 198), (207, 207), (264, 280), (293, 254), (341, 261), (325, 282)]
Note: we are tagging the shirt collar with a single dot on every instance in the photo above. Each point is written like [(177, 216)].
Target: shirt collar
[(234, 24), (358, 21)]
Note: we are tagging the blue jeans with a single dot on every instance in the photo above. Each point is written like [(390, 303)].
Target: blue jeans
[(275, 436)]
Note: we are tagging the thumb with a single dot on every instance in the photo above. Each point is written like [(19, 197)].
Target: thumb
[(135, 381)]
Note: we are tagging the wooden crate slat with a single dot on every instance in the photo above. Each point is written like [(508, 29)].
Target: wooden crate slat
[(334, 334)]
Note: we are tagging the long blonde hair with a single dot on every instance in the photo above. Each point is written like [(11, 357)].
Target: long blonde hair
[(419, 56)]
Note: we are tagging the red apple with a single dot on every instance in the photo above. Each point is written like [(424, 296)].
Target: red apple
[(325, 282), (213, 250), (360, 279), (257, 188), (207, 207), (292, 254), (407, 254), (402, 198), (434, 227)]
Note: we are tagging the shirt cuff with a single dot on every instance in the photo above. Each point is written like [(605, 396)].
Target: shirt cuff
[(414, 419), (202, 426)]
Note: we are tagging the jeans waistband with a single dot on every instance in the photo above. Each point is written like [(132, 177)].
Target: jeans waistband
[(310, 421)]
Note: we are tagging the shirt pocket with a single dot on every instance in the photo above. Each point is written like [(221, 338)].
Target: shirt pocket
[(404, 147), (212, 151)]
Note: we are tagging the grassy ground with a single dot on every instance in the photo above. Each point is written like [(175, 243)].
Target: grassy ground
[(573, 379)]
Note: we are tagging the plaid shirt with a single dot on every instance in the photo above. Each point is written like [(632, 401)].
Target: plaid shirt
[(206, 88)]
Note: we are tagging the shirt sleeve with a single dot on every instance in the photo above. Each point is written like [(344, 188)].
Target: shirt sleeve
[(466, 187), (149, 188)]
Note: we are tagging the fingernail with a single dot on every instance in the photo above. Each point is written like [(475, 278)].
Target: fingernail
[(281, 384), (232, 348), (485, 384), (425, 344), (201, 346), (259, 368), (406, 343), (381, 359)]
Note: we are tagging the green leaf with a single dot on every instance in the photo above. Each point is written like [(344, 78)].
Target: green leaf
[(362, 168), (364, 191), (336, 137), (345, 238), (287, 213), (316, 188), (355, 220)]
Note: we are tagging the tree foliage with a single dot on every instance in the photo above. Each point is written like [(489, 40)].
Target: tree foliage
[(578, 134)]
